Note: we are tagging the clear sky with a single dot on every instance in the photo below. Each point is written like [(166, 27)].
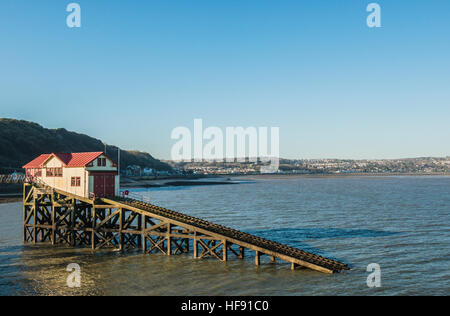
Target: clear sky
[(137, 69)]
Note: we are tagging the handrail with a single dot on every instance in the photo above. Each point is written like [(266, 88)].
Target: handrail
[(135, 196), (12, 178), (20, 178), (125, 194), (37, 181)]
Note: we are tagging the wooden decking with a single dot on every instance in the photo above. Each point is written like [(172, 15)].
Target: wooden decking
[(122, 223)]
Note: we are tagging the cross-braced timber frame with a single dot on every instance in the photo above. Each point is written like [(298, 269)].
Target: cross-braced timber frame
[(58, 217)]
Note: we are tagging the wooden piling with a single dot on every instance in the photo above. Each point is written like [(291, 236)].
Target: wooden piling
[(144, 238), (169, 239), (195, 246), (225, 250), (94, 223)]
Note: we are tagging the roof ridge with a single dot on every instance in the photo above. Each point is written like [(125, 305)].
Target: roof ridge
[(78, 159)]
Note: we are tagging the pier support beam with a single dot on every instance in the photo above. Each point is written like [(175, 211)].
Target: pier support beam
[(72, 223), (53, 232), (121, 238), (94, 223), (257, 258), (169, 239), (186, 242), (195, 246), (140, 228), (143, 228), (225, 250), (35, 207)]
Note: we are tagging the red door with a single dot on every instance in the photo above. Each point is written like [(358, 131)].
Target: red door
[(104, 184), (109, 185), (99, 185)]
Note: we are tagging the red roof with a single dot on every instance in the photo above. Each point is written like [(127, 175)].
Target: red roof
[(37, 163), (69, 160)]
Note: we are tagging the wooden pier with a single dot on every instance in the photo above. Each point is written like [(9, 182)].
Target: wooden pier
[(58, 217)]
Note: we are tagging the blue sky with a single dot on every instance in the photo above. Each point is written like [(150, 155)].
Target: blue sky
[(137, 69)]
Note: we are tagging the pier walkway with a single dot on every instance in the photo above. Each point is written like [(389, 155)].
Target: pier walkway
[(121, 223)]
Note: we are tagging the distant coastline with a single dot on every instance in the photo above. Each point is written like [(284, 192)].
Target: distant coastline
[(13, 193), (339, 175), (175, 183), (424, 165), (234, 179)]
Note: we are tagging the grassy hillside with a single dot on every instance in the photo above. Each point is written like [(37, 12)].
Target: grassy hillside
[(22, 141)]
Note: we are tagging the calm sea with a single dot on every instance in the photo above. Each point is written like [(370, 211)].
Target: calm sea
[(401, 223)]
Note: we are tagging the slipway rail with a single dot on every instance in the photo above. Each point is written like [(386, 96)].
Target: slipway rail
[(55, 216)]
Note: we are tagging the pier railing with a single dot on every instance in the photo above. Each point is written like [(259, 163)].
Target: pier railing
[(12, 178), (125, 194), (135, 196)]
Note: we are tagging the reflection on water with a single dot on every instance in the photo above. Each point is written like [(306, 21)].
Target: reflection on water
[(402, 223)]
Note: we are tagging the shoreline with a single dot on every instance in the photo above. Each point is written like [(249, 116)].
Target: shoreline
[(14, 197), (10, 198), (338, 175), (172, 183), (230, 179)]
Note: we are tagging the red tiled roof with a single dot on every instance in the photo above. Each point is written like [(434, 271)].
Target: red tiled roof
[(37, 163), (69, 160), (78, 159)]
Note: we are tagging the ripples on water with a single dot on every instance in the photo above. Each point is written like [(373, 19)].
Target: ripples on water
[(401, 223)]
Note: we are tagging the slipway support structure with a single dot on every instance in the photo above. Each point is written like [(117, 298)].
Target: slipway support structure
[(119, 223)]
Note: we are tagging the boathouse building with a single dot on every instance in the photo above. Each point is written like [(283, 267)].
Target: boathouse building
[(81, 174)]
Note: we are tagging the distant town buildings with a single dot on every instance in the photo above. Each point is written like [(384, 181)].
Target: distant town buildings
[(320, 166), (138, 171), (427, 165)]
